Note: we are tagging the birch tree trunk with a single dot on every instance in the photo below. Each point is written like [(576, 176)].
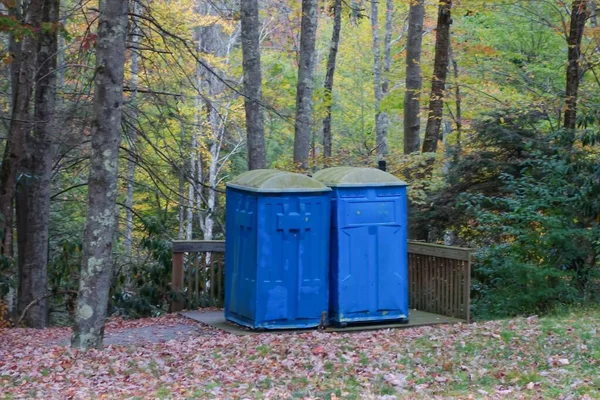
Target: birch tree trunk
[(33, 192), (132, 135), (181, 201), (255, 131), (198, 169), (458, 101), (304, 90), (189, 230), (381, 141), (215, 41), (414, 79), (61, 47), (331, 62), (577, 26), (438, 81), (14, 48), (20, 124), (96, 269), (593, 6), (387, 65)]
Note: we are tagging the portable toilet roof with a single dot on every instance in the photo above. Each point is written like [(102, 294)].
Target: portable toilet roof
[(274, 181), (356, 177)]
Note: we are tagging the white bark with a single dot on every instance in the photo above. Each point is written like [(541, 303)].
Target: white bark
[(381, 140), (132, 136), (191, 192)]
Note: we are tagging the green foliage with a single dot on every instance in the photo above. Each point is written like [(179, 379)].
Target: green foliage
[(529, 202), (6, 280), (541, 255), (63, 270), (148, 291)]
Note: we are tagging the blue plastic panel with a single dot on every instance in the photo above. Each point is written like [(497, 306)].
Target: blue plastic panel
[(369, 267), (240, 260), (277, 259)]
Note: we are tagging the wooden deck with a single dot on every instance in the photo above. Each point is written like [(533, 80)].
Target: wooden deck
[(417, 318)]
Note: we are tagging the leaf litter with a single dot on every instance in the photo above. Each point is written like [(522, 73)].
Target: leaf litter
[(503, 359)]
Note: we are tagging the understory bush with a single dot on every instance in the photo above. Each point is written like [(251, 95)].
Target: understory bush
[(528, 200), (142, 287), (544, 244)]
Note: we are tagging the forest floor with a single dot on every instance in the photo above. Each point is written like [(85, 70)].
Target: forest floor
[(171, 357)]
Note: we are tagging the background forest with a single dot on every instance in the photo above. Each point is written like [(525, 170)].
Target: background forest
[(488, 109)]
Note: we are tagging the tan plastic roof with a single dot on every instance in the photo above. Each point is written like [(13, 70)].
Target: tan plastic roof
[(356, 177), (274, 181)]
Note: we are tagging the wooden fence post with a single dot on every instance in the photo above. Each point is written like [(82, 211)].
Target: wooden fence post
[(178, 303), (467, 289)]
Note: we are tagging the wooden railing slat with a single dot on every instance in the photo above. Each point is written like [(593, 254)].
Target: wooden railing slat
[(438, 276), (198, 246), (197, 278), (213, 282), (436, 250)]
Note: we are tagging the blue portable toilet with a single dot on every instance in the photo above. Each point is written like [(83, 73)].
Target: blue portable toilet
[(369, 252), (277, 250)]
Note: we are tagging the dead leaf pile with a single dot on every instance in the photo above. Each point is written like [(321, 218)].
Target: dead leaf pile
[(494, 359)]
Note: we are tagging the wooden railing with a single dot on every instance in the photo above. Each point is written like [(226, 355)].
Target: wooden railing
[(439, 277), (198, 277)]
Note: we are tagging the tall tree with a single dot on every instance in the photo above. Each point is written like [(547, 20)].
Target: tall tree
[(217, 41), (255, 131), (593, 6), (131, 130), (192, 187), (387, 64), (96, 269), (414, 80), (304, 91), (381, 139), (20, 122), (33, 190), (331, 62), (14, 49), (438, 81), (577, 26)]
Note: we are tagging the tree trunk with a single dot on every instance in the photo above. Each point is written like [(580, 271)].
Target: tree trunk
[(438, 81), (593, 11), (96, 269), (304, 91), (458, 101), (181, 202), (20, 123), (414, 80), (213, 40), (132, 136), (33, 192), (387, 65), (255, 131), (381, 141), (333, 49), (14, 48), (61, 47), (197, 169), (189, 230), (578, 18)]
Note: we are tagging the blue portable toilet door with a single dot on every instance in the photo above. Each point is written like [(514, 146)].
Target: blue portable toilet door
[(293, 263), (242, 285), (372, 240)]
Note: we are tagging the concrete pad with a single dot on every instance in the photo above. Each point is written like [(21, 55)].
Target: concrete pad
[(417, 318)]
